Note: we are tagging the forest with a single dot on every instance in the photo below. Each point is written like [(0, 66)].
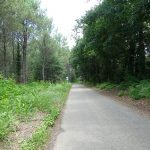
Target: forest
[(112, 50), (34, 61), (113, 42), (30, 46)]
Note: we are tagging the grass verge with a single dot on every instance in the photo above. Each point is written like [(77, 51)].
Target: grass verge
[(19, 102), (39, 138)]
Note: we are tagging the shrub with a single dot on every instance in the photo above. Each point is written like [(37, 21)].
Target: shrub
[(128, 81), (141, 90), (121, 93), (106, 86)]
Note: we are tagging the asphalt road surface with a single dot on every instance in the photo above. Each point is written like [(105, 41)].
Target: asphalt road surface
[(95, 122)]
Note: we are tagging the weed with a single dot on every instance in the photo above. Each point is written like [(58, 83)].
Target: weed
[(106, 86), (18, 102), (121, 93)]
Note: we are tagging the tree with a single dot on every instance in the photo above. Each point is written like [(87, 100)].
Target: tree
[(115, 41), (26, 43)]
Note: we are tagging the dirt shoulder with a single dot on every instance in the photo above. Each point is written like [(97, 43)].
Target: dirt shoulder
[(142, 106)]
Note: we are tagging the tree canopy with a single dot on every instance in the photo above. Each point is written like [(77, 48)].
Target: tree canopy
[(30, 48), (115, 41)]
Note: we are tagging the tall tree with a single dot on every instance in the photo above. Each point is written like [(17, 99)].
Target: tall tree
[(115, 41)]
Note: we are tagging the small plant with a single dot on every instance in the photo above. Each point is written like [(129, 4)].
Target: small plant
[(106, 86), (121, 93)]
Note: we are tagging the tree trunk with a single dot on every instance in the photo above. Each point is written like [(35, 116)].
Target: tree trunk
[(43, 57), (13, 51), (131, 55), (24, 59), (4, 52), (43, 72), (141, 54), (18, 62)]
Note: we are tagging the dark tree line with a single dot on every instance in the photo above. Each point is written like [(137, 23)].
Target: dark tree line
[(115, 42), (29, 47)]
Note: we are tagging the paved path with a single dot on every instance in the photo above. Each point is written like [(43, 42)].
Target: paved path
[(95, 122)]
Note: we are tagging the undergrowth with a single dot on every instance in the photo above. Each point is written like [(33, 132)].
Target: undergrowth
[(141, 90), (133, 88), (20, 101), (106, 86)]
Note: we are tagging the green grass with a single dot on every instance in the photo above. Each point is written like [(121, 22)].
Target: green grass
[(19, 101)]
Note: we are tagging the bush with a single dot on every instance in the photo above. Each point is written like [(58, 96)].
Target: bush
[(121, 93), (141, 90), (128, 81), (106, 86), (134, 88)]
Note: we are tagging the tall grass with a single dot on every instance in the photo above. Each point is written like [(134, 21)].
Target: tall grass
[(18, 102)]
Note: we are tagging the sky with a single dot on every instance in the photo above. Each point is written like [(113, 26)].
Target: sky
[(65, 12)]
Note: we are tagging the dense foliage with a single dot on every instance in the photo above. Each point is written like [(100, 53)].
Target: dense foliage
[(115, 42), (30, 48), (135, 90), (18, 102)]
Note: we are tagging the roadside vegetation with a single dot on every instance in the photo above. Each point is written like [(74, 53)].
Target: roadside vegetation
[(34, 62), (18, 103), (136, 90)]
